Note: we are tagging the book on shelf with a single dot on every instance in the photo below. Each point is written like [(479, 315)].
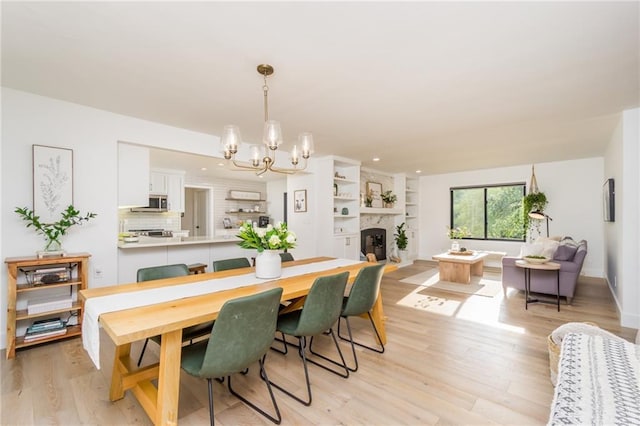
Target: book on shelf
[(48, 324), (29, 337)]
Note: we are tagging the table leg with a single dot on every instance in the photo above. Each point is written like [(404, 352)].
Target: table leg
[(477, 268), (558, 292), (169, 378), (120, 363), (527, 282), (378, 319)]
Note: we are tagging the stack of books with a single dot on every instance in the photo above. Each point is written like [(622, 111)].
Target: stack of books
[(44, 329)]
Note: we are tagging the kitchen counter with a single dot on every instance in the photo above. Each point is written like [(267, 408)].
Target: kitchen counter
[(144, 242)]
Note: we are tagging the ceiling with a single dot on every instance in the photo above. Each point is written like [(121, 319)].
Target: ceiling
[(431, 86)]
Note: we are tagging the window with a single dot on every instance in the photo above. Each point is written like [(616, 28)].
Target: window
[(489, 212)]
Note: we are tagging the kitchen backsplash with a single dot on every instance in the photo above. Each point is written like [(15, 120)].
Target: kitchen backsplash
[(128, 220)]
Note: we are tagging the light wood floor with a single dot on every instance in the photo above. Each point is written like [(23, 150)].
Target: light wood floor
[(451, 359)]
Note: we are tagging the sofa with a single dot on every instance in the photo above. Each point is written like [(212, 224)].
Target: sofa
[(567, 252)]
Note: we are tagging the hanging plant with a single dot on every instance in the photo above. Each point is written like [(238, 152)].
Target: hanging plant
[(533, 201)]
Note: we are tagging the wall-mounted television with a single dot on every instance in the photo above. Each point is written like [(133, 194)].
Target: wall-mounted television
[(608, 198)]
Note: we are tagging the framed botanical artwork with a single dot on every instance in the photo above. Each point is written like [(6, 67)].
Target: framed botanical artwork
[(374, 190), (300, 200), (52, 181)]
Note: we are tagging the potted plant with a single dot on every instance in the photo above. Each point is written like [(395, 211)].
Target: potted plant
[(533, 201), (268, 241), (53, 232), (456, 234), (388, 198), (368, 199), (401, 240)]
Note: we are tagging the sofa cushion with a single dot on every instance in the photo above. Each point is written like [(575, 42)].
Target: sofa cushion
[(531, 249), (565, 252)]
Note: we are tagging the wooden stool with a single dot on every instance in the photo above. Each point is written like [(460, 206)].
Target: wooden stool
[(197, 268)]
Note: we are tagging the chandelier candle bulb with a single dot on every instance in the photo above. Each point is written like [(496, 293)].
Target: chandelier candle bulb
[(272, 138)]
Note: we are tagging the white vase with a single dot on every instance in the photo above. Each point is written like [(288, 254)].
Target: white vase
[(455, 245), (268, 264)]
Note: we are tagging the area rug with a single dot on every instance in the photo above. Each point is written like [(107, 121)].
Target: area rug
[(489, 285)]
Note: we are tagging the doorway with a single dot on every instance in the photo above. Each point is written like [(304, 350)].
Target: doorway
[(197, 217)]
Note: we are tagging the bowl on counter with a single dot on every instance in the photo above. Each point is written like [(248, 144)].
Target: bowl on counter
[(131, 239)]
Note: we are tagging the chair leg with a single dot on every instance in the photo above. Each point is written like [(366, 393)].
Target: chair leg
[(284, 344), (373, 324), (210, 383), (263, 374), (144, 347), (301, 345), (342, 364), (350, 340)]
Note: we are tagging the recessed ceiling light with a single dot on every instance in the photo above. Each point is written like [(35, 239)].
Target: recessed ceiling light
[(221, 164), (418, 171), (376, 159), (203, 169)]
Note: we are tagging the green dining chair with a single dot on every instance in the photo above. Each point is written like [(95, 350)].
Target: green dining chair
[(320, 311), (286, 257), (170, 271), (226, 264), (241, 335), (360, 301)]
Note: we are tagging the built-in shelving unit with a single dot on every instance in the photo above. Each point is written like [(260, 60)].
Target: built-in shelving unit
[(338, 184), (248, 207)]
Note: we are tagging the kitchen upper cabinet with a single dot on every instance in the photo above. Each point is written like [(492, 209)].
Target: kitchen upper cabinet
[(175, 192), (158, 183), (133, 175), (171, 184)]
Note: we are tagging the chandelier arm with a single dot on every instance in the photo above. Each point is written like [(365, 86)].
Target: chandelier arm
[(243, 167)]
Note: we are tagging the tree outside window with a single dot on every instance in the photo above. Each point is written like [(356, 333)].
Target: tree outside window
[(491, 212)]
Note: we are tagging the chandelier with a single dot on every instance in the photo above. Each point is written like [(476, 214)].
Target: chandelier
[(263, 157)]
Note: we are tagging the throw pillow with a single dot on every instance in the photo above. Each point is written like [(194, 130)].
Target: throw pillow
[(549, 246), (568, 241), (531, 249), (565, 252)]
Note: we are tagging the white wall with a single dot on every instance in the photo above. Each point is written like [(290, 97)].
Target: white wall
[(621, 237), (573, 188)]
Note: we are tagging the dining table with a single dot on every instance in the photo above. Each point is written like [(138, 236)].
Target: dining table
[(169, 317)]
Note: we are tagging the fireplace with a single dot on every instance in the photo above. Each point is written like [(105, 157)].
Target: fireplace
[(374, 240)]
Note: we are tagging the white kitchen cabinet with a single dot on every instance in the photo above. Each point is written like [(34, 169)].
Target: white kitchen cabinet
[(158, 183), (133, 175), (171, 184), (347, 246), (175, 192)]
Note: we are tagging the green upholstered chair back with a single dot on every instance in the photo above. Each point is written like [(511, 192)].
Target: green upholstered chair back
[(322, 305), (226, 264), (242, 333), (364, 291), (286, 257), (162, 271)]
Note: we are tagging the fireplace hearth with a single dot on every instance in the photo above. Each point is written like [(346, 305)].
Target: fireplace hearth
[(374, 240)]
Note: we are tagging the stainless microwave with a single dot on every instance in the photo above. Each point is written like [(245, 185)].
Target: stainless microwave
[(157, 203)]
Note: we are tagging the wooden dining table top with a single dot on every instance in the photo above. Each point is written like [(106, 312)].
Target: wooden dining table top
[(129, 325)]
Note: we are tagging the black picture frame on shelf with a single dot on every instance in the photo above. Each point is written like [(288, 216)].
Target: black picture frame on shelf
[(608, 199)]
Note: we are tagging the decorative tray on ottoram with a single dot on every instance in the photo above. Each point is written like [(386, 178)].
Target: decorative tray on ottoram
[(461, 253)]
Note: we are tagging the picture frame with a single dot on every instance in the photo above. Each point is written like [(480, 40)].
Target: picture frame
[(300, 201), (374, 189), (608, 199), (52, 181), (226, 222)]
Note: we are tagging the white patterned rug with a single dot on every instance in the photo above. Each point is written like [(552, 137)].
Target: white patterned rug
[(489, 285)]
